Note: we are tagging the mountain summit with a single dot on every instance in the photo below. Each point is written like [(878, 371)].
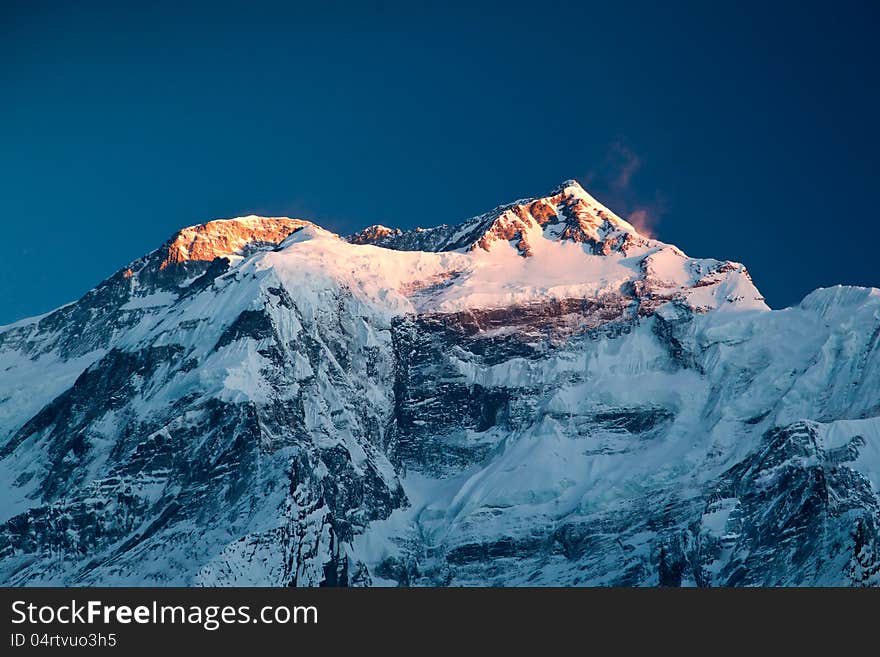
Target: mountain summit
[(566, 213), (538, 395)]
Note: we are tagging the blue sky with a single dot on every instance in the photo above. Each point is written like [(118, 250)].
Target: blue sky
[(736, 130)]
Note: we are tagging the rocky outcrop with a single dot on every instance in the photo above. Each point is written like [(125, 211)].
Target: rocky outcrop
[(568, 213)]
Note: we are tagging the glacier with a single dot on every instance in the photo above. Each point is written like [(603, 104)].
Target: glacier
[(537, 396)]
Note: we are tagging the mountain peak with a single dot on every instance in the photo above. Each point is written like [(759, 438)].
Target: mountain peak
[(570, 185), (226, 237), (567, 213), (373, 234)]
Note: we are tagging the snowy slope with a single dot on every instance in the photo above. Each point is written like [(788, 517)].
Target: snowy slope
[(536, 396)]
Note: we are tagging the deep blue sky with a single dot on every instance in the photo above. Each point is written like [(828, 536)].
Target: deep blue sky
[(745, 132)]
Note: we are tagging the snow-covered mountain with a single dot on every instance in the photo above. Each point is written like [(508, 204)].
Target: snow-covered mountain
[(536, 396)]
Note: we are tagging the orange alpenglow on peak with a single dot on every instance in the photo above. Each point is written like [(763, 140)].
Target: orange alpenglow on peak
[(567, 213), (373, 233), (225, 237)]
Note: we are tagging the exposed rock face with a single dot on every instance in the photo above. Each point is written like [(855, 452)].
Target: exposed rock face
[(537, 396), (567, 213), (219, 239)]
